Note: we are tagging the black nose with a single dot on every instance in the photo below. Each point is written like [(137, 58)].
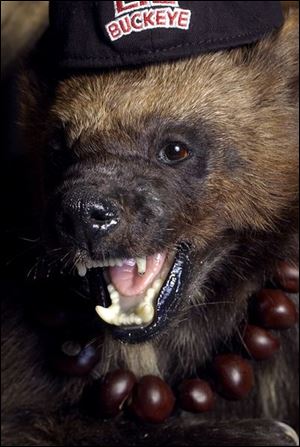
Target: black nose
[(102, 216), (86, 219)]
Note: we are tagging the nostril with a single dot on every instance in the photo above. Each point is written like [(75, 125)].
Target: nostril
[(84, 220), (101, 215), (102, 212)]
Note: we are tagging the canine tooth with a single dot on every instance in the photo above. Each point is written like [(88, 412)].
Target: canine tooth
[(108, 314), (119, 262), (145, 312), (81, 268), (116, 320), (141, 265)]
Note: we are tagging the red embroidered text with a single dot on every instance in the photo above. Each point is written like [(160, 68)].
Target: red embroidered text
[(139, 16)]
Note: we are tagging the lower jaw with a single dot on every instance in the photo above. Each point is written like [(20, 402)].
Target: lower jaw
[(166, 302)]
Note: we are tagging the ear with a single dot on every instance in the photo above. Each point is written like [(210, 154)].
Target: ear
[(287, 50), (279, 53)]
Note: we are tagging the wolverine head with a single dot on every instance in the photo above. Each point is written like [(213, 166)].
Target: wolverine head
[(169, 183)]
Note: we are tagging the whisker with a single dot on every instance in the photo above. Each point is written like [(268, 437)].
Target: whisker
[(17, 256), (53, 262), (243, 343), (33, 268), (90, 342), (80, 294), (26, 239), (192, 306), (65, 256), (55, 250), (67, 259)]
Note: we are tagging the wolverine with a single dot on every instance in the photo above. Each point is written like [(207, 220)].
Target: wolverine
[(170, 198)]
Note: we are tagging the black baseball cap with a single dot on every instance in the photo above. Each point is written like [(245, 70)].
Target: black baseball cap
[(109, 34)]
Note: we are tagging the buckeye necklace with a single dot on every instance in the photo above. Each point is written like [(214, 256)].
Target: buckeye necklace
[(151, 399)]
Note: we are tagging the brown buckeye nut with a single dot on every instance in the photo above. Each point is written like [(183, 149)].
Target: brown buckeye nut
[(196, 396), (275, 310), (287, 277), (74, 359), (152, 399), (234, 376), (260, 343), (111, 394)]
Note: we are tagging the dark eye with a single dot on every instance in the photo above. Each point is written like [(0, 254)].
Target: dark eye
[(174, 152)]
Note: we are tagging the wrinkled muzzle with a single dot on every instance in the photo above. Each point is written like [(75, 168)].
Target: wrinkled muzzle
[(120, 231)]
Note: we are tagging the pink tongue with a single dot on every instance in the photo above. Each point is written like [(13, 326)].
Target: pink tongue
[(127, 280)]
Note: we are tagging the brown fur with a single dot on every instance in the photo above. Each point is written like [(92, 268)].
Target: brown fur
[(246, 100)]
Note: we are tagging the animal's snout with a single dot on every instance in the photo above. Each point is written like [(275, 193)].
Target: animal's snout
[(86, 217)]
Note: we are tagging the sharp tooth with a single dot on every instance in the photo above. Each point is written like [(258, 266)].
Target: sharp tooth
[(89, 264), (150, 295), (141, 265), (157, 285), (109, 314), (124, 319), (81, 268), (145, 312), (132, 318), (96, 264), (137, 320), (110, 288), (114, 296)]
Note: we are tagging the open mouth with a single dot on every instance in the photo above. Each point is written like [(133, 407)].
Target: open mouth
[(136, 296)]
